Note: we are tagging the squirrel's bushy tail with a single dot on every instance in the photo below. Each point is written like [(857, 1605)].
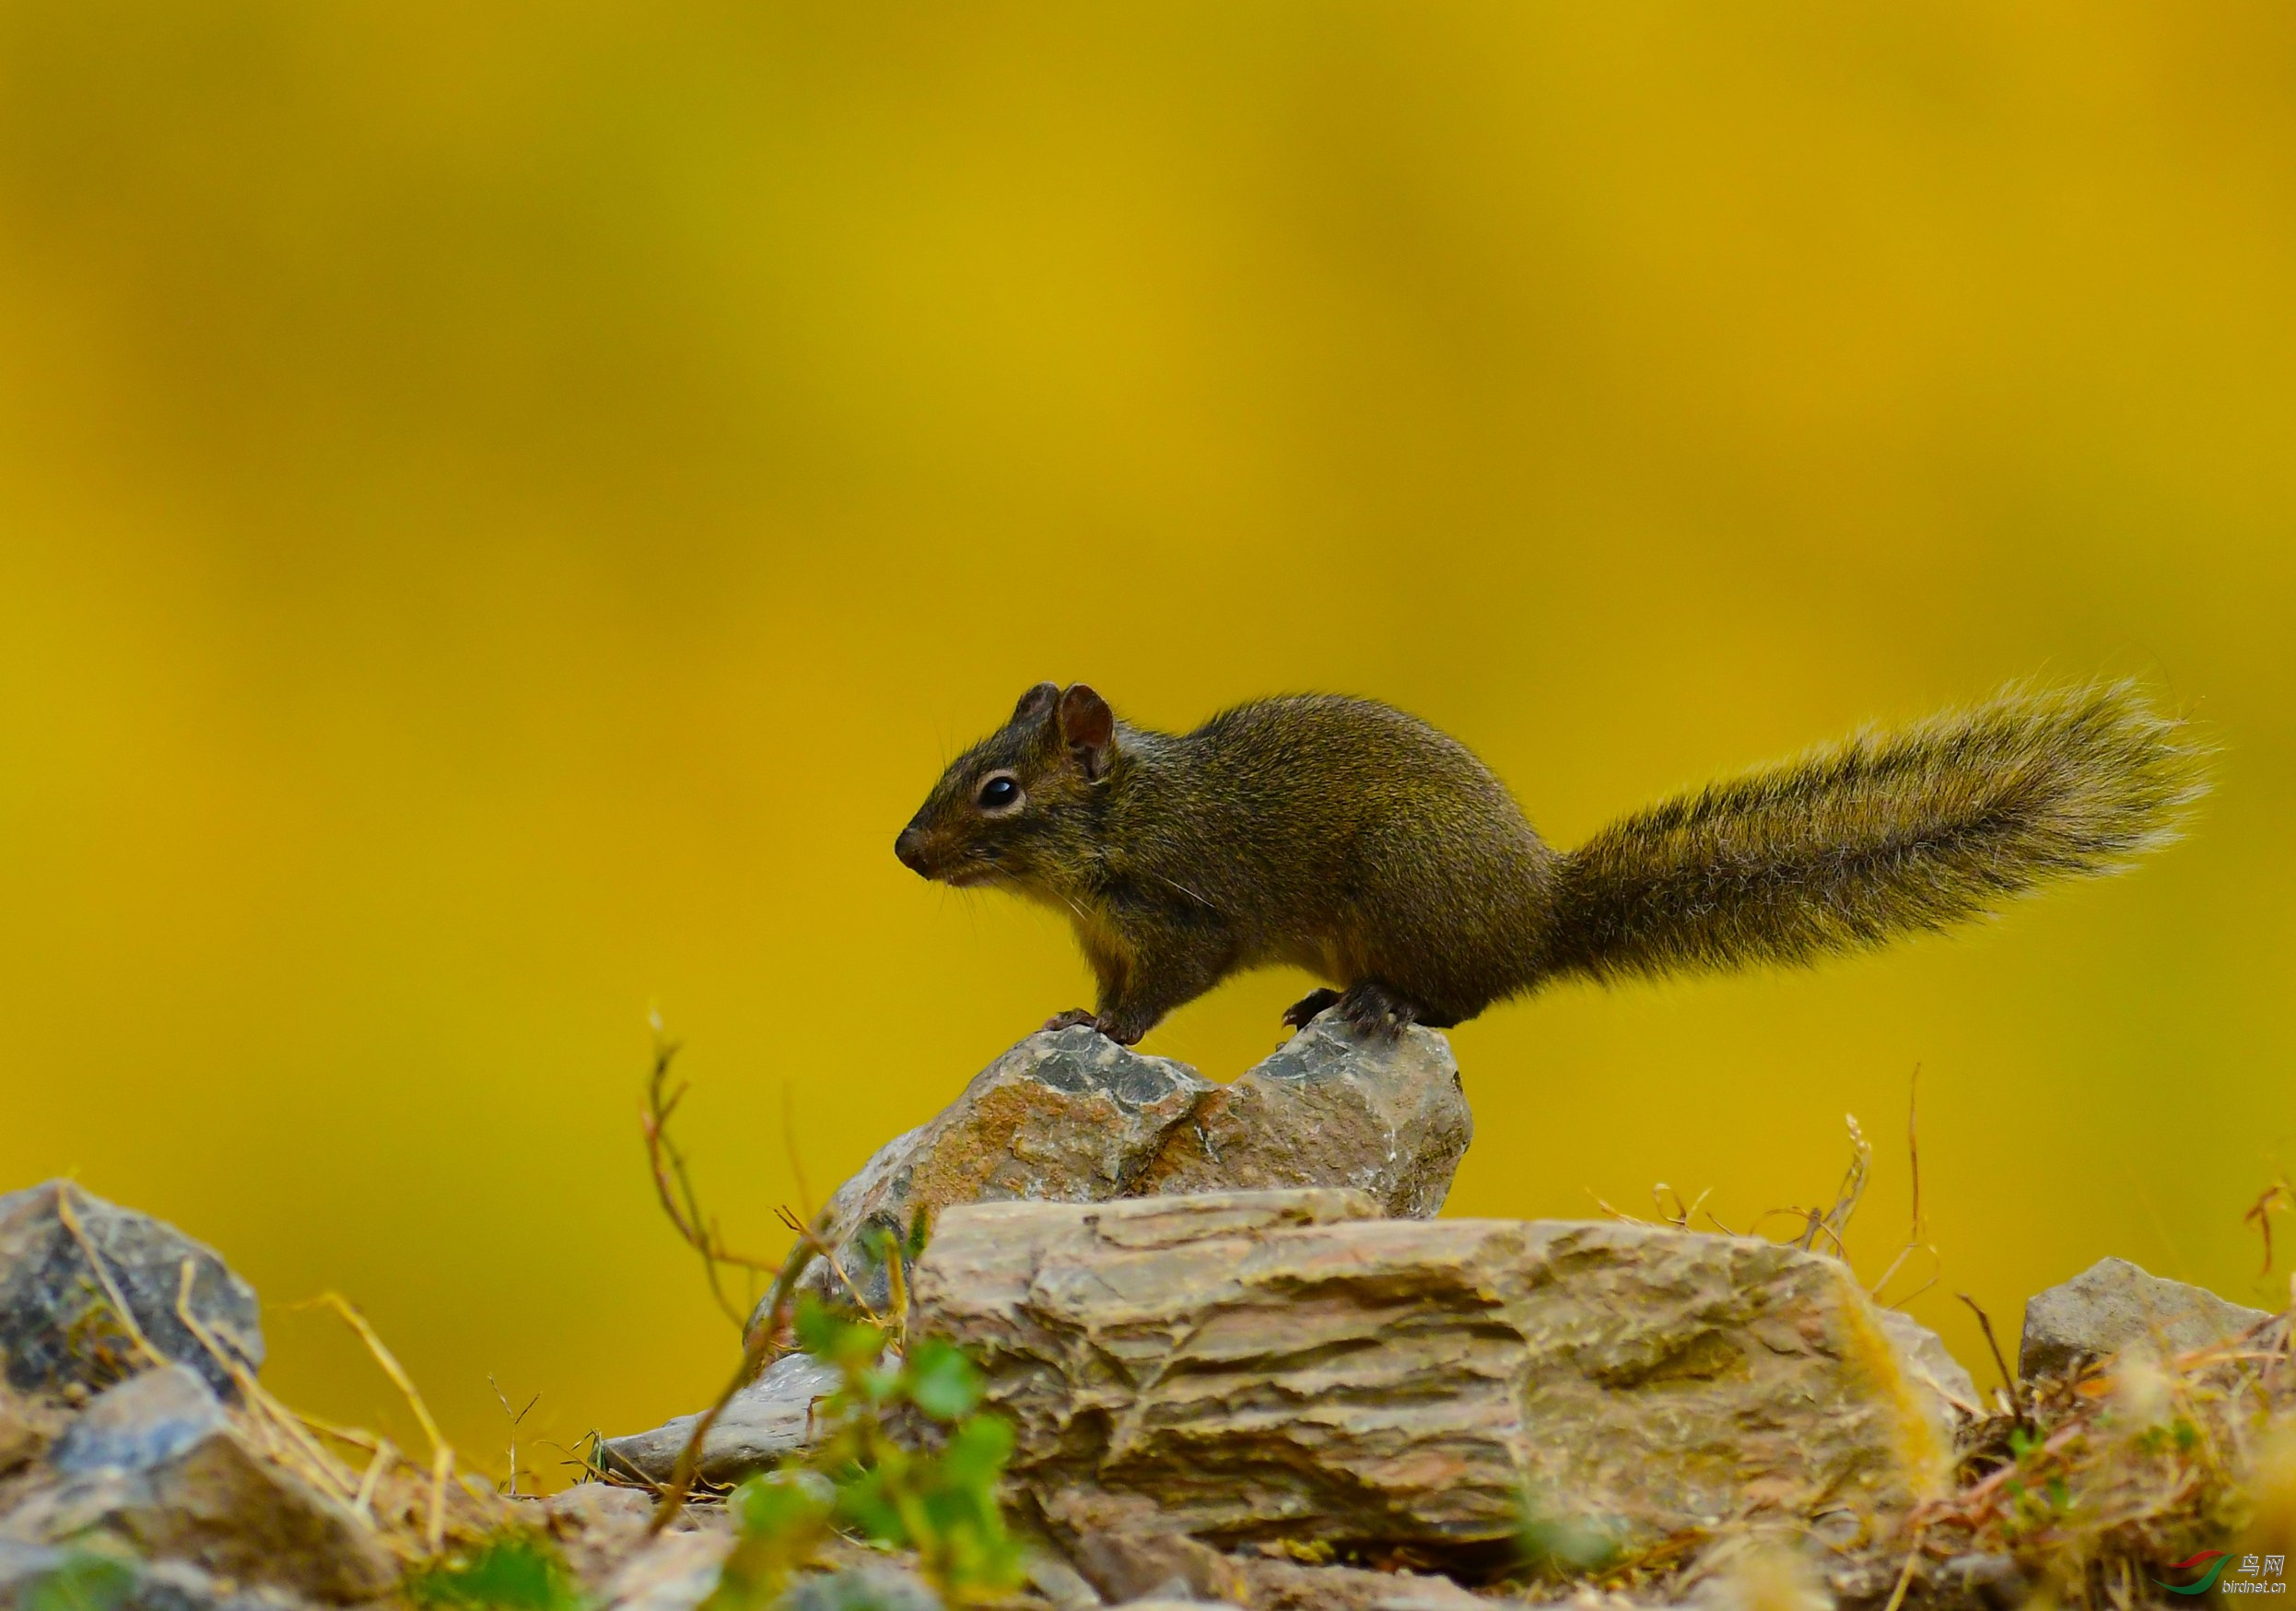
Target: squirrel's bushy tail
[(1878, 836)]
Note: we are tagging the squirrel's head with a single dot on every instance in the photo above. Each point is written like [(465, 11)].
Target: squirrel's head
[(1016, 808)]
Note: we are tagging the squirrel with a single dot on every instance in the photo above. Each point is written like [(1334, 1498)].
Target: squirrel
[(1348, 839)]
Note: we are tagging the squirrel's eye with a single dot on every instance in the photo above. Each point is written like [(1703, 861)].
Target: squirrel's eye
[(999, 793)]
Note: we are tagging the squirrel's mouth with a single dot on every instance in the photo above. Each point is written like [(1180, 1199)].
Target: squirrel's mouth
[(970, 876)]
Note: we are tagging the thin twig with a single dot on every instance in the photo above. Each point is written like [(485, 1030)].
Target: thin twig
[(2276, 1195), (2009, 1377), (810, 1237), (673, 1181), (1915, 1241), (754, 1351)]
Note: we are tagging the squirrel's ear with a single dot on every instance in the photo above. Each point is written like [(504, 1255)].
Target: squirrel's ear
[(1088, 728), (1036, 704)]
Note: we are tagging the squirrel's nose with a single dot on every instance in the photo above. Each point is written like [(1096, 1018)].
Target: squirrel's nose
[(910, 847)]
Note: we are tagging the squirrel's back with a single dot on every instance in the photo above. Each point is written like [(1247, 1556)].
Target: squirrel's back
[(1339, 834)]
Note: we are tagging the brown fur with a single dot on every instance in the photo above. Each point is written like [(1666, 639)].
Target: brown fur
[(1360, 844)]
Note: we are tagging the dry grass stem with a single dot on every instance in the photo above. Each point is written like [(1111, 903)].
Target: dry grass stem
[(516, 1418), (120, 1310), (441, 1453)]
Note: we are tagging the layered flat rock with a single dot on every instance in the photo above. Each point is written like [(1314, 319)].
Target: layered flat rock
[(56, 1325), (1290, 1366), (2113, 1304), (771, 1417)]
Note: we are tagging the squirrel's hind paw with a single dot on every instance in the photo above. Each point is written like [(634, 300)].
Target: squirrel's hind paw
[(1373, 1009)]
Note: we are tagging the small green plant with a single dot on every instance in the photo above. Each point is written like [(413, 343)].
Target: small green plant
[(512, 1571), (938, 1502), (84, 1582)]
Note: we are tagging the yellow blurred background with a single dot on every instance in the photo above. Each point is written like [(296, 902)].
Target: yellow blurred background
[(505, 509)]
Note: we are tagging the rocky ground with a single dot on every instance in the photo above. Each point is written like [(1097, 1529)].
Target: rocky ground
[(1241, 1363)]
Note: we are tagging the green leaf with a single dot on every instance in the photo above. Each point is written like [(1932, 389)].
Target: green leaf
[(941, 1381), (827, 1335), (977, 1451), (866, 1504), (517, 1571), (776, 1502), (84, 1582)]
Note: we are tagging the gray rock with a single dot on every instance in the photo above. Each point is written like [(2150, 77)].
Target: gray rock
[(598, 1526), (1287, 1585), (770, 1417), (1128, 1550), (158, 1465), (883, 1587), (675, 1571), (1048, 1573), (1330, 1109), (1984, 1580), (144, 1423), (2113, 1304), (56, 1320)]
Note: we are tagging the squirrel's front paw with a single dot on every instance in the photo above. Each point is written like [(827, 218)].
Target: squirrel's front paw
[(1302, 1013), (1116, 1029)]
